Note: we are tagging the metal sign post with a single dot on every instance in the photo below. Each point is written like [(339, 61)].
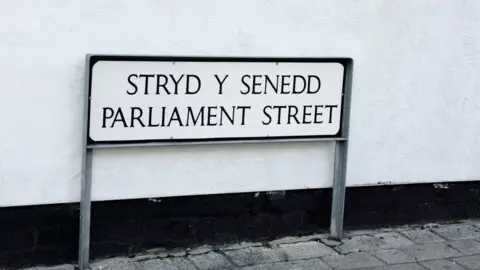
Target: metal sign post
[(335, 130), (86, 178), (340, 165)]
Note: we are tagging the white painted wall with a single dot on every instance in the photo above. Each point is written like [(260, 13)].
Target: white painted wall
[(415, 107)]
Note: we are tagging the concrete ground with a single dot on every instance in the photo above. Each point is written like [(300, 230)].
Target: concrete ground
[(432, 246)]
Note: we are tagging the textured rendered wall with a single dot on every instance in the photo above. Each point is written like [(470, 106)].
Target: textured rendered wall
[(415, 106)]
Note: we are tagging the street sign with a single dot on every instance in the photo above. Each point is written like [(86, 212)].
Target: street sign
[(149, 99)]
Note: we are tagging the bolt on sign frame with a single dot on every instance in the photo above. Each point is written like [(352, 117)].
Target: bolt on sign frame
[(340, 139)]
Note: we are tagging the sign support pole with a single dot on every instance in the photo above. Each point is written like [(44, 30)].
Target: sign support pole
[(338, 193), (85, 211), (340, 163), (86, 188)]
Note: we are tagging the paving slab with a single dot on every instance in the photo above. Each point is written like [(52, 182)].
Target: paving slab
[(241, 245), (152, 254), (393, 256), (199, 250), (114, 264), (394, 239), (422, 236), (442, 265), (255, 255), (352, 261), (350, 233), (371, 243), (466, 246), (360, 243), (211, 260), (469, 262), (458, 231), (175, 263), (306, 250), (311, 264), (431, 251)]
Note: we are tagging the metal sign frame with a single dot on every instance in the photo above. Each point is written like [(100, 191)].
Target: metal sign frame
[(340, 139)]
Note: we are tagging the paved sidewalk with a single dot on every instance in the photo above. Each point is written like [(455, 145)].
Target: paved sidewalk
[(433, 246)]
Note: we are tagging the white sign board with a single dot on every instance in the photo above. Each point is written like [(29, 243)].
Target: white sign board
[(162, 99)]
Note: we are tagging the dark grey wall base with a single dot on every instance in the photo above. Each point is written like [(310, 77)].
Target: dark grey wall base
[(48, 234)]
